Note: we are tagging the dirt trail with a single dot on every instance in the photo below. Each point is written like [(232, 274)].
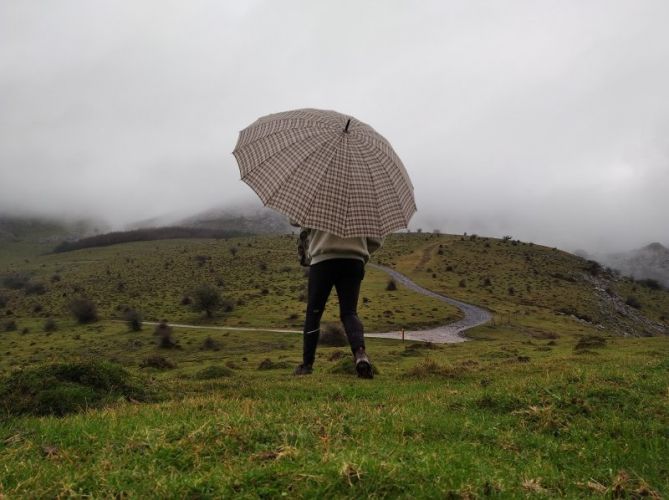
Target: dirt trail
[(445, 334)]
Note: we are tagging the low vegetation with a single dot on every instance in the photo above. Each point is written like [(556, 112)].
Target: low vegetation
[(541, 402)]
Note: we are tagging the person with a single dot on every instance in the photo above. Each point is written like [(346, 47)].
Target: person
[(338, 262)]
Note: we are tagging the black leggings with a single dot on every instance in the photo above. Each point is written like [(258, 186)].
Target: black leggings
[(346, 276)]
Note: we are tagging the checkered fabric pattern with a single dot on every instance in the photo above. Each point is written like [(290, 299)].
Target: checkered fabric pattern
[(303, 164)]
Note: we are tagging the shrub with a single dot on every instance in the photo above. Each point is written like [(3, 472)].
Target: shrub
[(3, 301), (34, 288), (511, 290), (333, 335), (134, 320), (206, 298), (15, 281), (164, 332), (64, 388), (268, 364), (9, 326), (463, 283), (347, 366), (55, 278), (391, 286), (158, 362), (84, 310), (651, 283), (212, 372), (210, 344), (186, 300), (50, 325), (632, 301), (590, 342), (593, 267)]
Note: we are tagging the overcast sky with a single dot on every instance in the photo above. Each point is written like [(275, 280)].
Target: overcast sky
[(545, 120)]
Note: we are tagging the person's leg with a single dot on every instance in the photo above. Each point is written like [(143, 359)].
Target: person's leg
[(320, 285), (348, 279)]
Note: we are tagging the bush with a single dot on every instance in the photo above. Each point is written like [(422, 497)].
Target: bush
[(158, 362), (268, 364), (651, 283), (210, 344), (84, 310), (9, 326), (15, 281), (212, 372), (463, 283), (590, 342), (333, 335), (34, 288), (347, 366), (593, 267), (206, 298), (3, 301), (64, 388), (50, 325), (633, 302), (391, 286), (134, 320), (164, 331)]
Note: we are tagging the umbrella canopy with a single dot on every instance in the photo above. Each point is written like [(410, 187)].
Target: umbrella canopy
[(326, 171)]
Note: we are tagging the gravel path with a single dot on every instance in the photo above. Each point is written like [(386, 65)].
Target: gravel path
[(445, 334)]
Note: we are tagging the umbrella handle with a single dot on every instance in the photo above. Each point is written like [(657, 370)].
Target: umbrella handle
[(347, 124)]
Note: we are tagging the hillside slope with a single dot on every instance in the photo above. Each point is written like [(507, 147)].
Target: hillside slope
[(530, 284)]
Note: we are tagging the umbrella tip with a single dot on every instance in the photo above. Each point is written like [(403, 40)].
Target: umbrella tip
[(347, 124)]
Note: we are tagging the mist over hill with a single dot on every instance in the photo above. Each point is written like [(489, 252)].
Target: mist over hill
[(649, 262)]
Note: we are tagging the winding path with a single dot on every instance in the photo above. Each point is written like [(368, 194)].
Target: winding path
[(446, 334)]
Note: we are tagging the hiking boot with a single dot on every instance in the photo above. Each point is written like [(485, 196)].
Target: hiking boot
[(303, 370), (363, 366)]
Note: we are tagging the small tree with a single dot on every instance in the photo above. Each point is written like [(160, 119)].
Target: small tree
[(391, 286), (134, 320), (164, 332), (206, 298), (84, 310)]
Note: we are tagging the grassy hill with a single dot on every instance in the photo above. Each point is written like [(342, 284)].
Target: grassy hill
[(549, 400)]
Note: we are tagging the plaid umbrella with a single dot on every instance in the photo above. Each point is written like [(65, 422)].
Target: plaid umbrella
[(326, 171)]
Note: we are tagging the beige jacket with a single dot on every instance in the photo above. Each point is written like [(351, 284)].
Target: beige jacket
[(321, 245)]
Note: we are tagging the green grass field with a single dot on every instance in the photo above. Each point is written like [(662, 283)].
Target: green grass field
[(539, 403)]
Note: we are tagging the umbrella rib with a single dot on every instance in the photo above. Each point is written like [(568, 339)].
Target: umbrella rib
[(368, 171), (370, 139), (254, 141), (323, 180), (278, 151), (396, 197), (295, 168)]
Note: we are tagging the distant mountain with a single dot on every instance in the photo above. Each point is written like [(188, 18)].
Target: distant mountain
[(256, 220), (15, 228), (649, 262)]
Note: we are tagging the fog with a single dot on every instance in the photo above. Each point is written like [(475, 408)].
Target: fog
[(547, 121)]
